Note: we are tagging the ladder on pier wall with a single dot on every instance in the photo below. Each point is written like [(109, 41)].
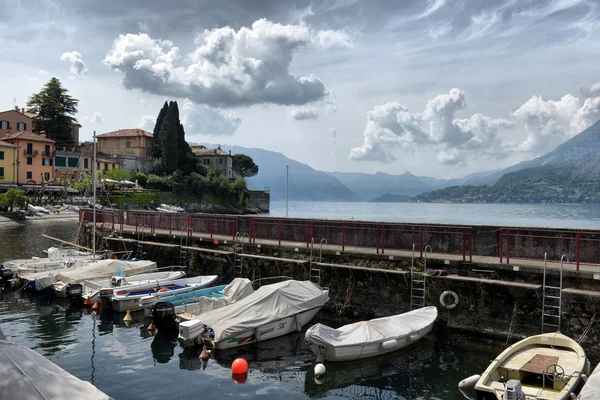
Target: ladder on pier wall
[(183, 253), (140, 238), (552, 301), (418, 283), (315, 271), (238, 248)]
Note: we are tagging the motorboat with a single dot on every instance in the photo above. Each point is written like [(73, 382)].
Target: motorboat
[(56, 258), (549, 366), (271, 311), (90, 271), (591, 389), (372, 338), (182, 299), (90, 289), (128, 298), (238, 289)]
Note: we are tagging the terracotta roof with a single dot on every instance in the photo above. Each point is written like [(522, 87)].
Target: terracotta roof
[(27, 114), (126, 132), (5, 144), (28, 136), (209, 152), (106, 161)]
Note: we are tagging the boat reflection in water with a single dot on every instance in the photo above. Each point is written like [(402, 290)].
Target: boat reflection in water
[(163, 347)]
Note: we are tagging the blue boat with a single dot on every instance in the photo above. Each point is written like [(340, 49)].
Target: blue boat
[(215, 292)]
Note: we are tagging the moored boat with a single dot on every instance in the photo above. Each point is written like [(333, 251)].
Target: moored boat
[(547, 366), (370, 338), (271, 311)]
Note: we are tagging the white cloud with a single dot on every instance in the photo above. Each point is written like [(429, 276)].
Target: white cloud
[(142, 102), (392, 125), (146, 122), (228, 68), (333, 135), (95, 118), (77, 67), (43, 72), (203, 120), (303, 113)]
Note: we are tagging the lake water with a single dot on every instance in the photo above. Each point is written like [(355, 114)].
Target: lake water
[(582, 216), (126, 362)]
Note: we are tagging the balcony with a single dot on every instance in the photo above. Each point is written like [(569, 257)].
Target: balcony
[(48, 154), (31, 153)]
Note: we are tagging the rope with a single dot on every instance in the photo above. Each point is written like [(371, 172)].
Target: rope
[(587, 329), (512, 320)]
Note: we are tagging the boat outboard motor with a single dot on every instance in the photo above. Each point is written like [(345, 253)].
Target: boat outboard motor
[(74, 291), (5, 274), (513, 390), (163, 316)]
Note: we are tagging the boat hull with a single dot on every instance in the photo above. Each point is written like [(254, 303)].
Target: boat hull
[(268, 331)]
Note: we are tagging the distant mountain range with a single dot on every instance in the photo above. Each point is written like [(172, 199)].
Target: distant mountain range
[(570, 173)]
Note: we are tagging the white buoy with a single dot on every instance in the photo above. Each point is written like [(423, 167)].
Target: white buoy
[(320, 369), (469, 383)]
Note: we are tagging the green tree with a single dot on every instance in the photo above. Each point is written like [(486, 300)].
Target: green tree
[(117, 174), (156, 133), (55, 110), (169, 137), (15, 198), (244, 165)]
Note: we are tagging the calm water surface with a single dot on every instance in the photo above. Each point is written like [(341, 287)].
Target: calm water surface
[(128, 363), (583, 216)]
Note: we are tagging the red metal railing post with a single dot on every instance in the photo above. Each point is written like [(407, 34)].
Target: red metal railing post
[(122, 220), (152, 219), (170, 224), (470, 244), (464, 246), (136, 221), (377, 239), (279, 231), (508, 246), (210, 225), (232, 229), (343, 242), (306, 233), (382, 239), (312, 225), (421, 240), (578, 242), (113, 220), (500, 248), (189, 222)]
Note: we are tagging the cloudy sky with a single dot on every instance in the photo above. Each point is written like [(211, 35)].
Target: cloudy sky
[(436, 87)]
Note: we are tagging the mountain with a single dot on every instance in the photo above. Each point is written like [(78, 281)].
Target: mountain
[(570, 173), (371, 186), (391, 198), (305, 183)]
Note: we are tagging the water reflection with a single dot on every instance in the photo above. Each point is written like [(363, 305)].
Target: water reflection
[(163, 347)]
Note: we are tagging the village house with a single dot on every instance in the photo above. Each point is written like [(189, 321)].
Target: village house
[(215, 159), (34, 158), (137, 142), (8, 164), (19, 120)]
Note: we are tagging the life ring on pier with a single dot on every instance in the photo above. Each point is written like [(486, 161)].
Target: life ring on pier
[(446, 305)]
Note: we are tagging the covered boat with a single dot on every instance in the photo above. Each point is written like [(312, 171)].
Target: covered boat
[(547, 366), (56, 258), (591, 389), (128, 298), (237, 289), (29, 375), (370, 338), (271, 311)]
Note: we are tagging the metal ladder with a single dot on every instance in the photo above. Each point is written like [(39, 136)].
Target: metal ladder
[(183, 253), (140, 238), (238, 267), (552, 300), (418, 284), (315, 271)]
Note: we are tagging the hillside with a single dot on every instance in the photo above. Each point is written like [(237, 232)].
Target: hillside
[(568, 174), (391, 198), (305, 183)]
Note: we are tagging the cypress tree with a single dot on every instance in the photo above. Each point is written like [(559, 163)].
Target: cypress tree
[(156, 133), (169, 139)]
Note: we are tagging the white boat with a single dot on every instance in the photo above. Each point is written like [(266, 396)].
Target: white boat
[(128, 298), (370, 338), (271, 311), (92, 270), (548, 366), (56, 258), (591, 389), (91, 288)]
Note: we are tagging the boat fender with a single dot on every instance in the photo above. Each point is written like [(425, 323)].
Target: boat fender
[(469, 383), (320, 369), (449, 306), (389, 344), (414, 337)]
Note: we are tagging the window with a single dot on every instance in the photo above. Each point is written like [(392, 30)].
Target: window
[(47, 162), (4, 124), (47, 150), (1, 155), (86, 163), (105, 143), (73, 162), (118, 143), (29, 175), (29, 148), (206, 161), (21, 126), (1, 172), (29, 161), (220, 161), (128, 144), (60, 161), (46, 176)]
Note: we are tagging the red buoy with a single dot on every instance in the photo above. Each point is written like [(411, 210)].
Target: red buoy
[(96, 306), (239, 366), (151, 326), (87, 302)]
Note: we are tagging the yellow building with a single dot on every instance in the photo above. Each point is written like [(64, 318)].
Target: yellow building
[(137, 142), (35, 160), (8, 163)]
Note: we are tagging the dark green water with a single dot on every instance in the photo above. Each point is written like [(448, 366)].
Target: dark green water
[(129, 363)]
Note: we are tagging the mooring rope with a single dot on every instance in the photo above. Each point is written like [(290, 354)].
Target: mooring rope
[(587, 329)]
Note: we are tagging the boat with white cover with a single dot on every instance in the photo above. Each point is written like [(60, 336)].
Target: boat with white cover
[(271, 311), (372, 338), (92, 288), (547, 366), (591, 389), (128, 298)]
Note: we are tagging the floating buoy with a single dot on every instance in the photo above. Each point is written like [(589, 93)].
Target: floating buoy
[(469, 383), (162, 290), (151, 326), (239, 366), (320, 369), (239, 378), (127, 317), (96, 306), (87, 302)]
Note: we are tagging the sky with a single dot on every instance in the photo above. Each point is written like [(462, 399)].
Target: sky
[(435, 87)]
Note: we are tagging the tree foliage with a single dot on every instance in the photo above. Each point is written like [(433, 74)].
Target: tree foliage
[(13, 198), (117, 174), (244, 165), (156, 133), (55, 109)]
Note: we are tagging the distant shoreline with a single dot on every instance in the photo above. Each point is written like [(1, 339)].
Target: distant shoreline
[(63, 216)]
